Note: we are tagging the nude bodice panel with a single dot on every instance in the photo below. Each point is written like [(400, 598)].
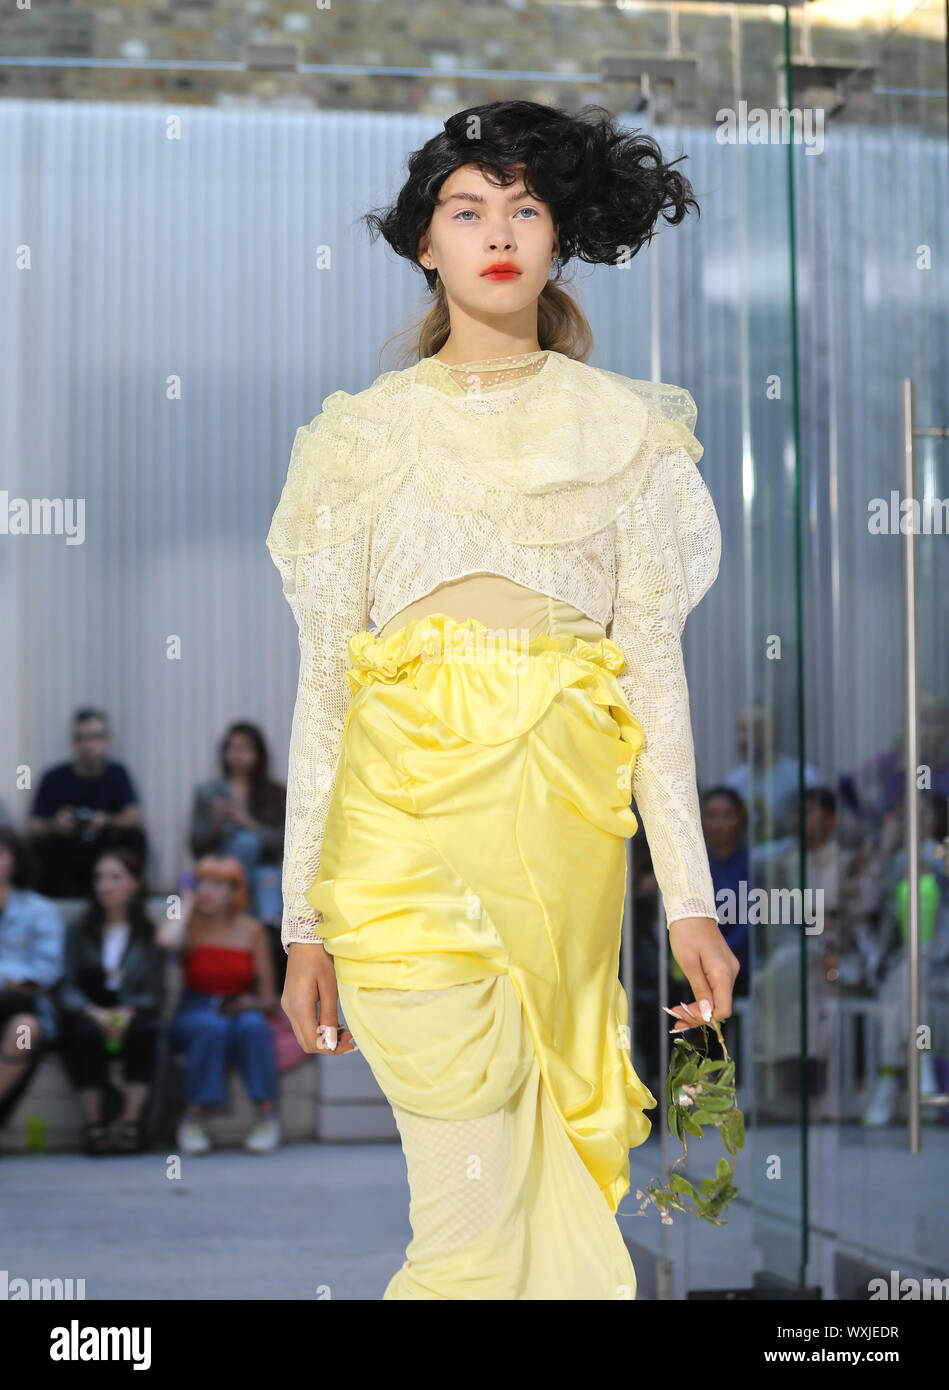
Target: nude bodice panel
[(499, 603)]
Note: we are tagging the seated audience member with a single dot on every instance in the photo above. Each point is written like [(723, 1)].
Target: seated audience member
[(891, 1084), (830, 913), (111, 999), (81, 808), (766, 779), (724, 824), (31, 962), (241, 813), (875, 791), (221, 1017)]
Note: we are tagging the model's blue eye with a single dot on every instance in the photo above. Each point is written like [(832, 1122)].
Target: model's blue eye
[(465, 211)]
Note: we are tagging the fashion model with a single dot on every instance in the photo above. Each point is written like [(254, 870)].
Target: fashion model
[(490, 555)]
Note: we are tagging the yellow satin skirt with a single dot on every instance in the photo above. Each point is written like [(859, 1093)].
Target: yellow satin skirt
[(471, 883)]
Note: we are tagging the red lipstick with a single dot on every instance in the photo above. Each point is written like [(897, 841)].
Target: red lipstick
[(501, 270)]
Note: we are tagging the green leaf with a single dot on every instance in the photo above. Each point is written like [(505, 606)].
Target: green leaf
[(723, 1169), (717, 1088), (712, 1064), (708, 1117), (718, 1104), (690, 1126), (681, 1184), (733, 1130)]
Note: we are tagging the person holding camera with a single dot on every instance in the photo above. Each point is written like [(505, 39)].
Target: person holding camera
[(81, 808)]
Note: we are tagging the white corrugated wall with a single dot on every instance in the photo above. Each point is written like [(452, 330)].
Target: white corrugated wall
[(173, 329)]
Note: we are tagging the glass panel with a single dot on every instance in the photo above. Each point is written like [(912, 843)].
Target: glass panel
[(871, 228), (769, 726), (835, 295), (886, 320), (726, 331)]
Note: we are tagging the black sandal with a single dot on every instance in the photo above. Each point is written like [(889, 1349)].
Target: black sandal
[(95, 1138), (130, 1137)]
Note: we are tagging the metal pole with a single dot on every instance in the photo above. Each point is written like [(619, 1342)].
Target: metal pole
[(912, 762)]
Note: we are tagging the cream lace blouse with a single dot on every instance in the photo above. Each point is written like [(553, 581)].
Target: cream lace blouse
[(529, 492)]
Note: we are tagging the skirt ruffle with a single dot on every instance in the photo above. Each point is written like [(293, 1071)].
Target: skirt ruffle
[(471, 884)]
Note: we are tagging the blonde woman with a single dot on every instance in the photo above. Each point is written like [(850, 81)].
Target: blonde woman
[(490, 555)]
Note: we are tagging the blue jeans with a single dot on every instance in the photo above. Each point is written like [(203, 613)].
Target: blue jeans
[(215, 1042), (264, 879)]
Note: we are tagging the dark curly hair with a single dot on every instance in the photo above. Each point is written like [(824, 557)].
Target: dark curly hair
[(606, 188)]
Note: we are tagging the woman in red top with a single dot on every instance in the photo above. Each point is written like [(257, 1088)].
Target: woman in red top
[(221, 1017)]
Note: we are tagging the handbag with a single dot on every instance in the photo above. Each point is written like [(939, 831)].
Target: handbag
[(287, 1050)]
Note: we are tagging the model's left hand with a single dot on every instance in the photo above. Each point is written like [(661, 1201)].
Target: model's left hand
[(710, 966)]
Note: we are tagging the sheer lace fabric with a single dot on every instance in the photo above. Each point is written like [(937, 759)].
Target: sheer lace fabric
[(625, 542)]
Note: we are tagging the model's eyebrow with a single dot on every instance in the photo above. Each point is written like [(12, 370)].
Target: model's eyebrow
[(477, 198)]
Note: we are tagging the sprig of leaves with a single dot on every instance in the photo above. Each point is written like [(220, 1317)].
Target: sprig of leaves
[(700, 1090)]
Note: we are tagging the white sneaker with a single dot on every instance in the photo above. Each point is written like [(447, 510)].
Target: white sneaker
[(265, 1136), (882, 1106), (192, 1138)]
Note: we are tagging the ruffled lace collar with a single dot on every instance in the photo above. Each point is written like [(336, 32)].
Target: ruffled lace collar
[(549, 459)]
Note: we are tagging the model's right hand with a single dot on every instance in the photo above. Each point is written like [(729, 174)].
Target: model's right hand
[(311, 981)]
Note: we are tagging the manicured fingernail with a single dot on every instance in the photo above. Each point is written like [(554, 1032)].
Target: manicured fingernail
[(706, 1010), (329, 1036)]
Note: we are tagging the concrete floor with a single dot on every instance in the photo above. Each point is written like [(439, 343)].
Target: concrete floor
[(325, 1220)]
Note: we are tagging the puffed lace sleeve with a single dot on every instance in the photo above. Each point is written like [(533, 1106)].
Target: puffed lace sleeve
[(328, 595), (668, 547), (320, 540)]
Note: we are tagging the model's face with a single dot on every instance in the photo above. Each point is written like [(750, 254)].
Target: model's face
[(476, 224)]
